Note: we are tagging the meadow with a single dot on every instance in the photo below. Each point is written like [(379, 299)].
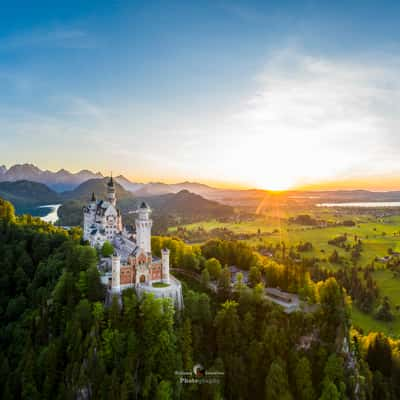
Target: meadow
[(377, 233)]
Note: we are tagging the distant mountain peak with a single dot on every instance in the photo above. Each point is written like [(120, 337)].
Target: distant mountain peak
[(64, 180), (59, 181)]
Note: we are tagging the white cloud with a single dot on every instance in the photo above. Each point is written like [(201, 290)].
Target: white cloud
[(314, 118)]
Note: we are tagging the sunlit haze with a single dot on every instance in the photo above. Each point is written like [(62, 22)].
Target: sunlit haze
[(233, 94)]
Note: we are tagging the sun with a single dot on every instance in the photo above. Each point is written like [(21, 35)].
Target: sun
[(275, 183)]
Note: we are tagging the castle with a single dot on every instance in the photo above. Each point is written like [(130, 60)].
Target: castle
[(132, 265)]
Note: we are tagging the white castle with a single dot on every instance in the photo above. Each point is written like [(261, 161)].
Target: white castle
[(132, 264)]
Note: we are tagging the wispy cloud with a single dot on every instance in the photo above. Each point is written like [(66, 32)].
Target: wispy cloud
[(53, 37)]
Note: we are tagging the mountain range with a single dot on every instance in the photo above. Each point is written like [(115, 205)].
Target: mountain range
[(59, 181), (64, 180), (67, 185)]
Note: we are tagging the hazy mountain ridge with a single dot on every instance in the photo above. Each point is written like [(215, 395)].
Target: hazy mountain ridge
[(64, 180), (59, 181)]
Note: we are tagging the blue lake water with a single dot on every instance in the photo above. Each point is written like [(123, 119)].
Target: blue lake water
[(370, 204), (51, 215)]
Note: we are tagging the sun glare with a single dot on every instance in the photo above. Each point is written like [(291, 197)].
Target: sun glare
[(275, 183)]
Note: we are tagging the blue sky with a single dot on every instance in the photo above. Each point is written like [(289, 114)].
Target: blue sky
[(269, 93)]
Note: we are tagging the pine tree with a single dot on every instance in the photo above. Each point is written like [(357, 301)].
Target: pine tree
[(303, 381), (205, 278), (186, 347), (277, 384)]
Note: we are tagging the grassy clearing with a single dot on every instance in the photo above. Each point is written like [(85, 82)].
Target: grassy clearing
[(389, 286), (369, 324), (264, 224), (160, 284)]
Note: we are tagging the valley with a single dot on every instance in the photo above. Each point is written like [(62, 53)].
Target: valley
[(379, 232)]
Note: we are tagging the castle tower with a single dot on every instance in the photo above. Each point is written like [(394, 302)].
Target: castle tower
[(143, 227), (115, 273), (111, 192), (165, 265)]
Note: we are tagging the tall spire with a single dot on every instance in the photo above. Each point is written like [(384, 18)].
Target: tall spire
[(93, 197), (111, 191), (111, 181)]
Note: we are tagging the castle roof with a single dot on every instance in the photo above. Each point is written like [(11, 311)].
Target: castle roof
[(144, 205)]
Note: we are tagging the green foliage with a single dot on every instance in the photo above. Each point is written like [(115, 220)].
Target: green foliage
[(205, 278), (384, 312), (276, 384), (59, 340), (330, 391), (160, 284), (230, 253), (214, 268), (334, 310), (303, 380), (7, 213), (107, 249), (164, 391), (254, 276), (224, 284)]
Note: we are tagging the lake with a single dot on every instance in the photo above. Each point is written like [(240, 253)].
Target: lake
[(371, 204), (51, 215)]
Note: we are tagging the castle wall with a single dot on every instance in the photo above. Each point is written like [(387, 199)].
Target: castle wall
[(127, 275), (156, 273)]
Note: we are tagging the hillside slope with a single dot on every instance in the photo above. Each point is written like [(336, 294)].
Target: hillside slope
[(97, 186), (24, 194)]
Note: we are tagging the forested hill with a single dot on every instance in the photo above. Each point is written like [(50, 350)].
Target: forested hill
[(58, 340), (97, 186), (183, 206), (25, 194), (189, 204)]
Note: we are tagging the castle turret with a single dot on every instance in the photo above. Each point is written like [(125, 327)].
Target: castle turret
[(165, 265), (111, 192), (92, 204), (143, 227), (115, 276)]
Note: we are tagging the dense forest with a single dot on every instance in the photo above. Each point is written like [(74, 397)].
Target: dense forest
[(60, 340)]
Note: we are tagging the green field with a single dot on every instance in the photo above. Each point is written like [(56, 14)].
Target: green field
[(369, 324), (377, 235)]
